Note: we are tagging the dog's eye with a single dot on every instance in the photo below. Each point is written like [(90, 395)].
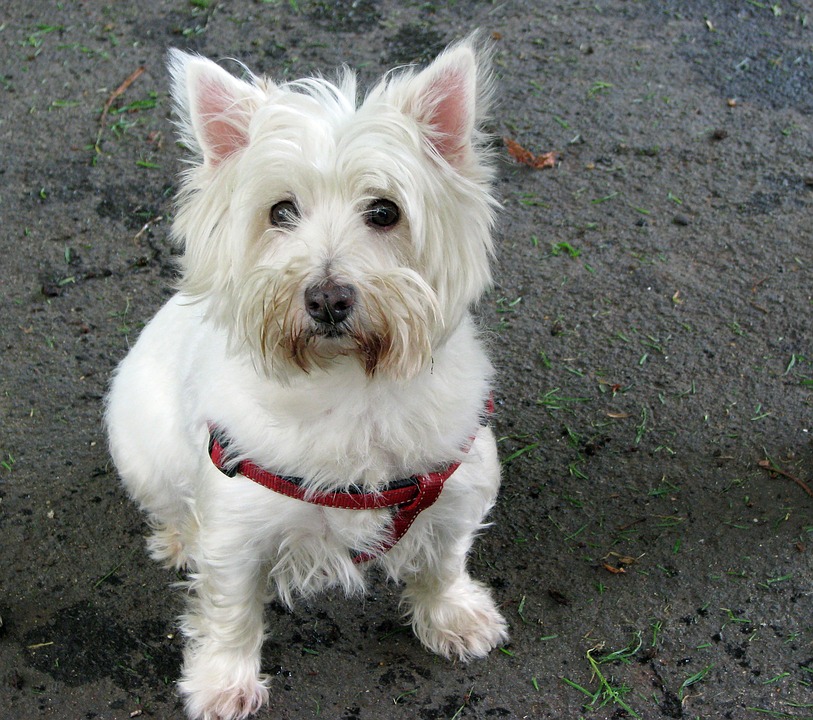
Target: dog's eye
[(284, 214), (382, 213)]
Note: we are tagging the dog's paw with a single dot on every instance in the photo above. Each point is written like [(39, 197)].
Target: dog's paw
[(213, 691), (234, 703), (461, 621)]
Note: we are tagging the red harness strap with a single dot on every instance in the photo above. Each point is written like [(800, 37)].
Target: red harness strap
[(410, 496)]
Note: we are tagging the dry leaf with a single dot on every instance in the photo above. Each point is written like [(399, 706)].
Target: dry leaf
[(526, 157)]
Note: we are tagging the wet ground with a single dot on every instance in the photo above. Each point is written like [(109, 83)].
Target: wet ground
[(653, 544)]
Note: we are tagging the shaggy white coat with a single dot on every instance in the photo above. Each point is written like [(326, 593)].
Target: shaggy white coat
[(399, 389)]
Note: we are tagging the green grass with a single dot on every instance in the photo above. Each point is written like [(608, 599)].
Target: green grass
[(517, 453), (609, 691), (36, 38), (599, 86), (8, 463), (781, 714), (557, 249), (554, 400), (121, 315), (604, 199), (641, 427), (397, 699), (657, 626), (693, 679)]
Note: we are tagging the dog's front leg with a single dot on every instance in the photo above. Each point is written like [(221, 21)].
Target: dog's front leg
[(452, 614), (224, 629)]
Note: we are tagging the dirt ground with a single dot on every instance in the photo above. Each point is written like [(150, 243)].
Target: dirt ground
[(651, 321)]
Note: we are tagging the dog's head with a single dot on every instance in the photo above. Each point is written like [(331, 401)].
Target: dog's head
[(318, 227)]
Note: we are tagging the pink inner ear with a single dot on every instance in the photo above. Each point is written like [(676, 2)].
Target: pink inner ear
[(450, 115), (223, 128)]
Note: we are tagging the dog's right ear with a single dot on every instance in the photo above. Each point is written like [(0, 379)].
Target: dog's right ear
[(214, 108)]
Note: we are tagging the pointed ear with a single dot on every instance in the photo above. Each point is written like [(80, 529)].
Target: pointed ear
[(214, 107), (444, 100)]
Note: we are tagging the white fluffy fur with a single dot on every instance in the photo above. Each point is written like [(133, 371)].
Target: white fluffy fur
[(400, 390)]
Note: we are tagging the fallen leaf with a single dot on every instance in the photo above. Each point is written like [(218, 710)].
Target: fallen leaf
[(526, 157), (613, 570)]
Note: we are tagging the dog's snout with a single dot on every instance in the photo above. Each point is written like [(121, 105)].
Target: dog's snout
[(329, 302)]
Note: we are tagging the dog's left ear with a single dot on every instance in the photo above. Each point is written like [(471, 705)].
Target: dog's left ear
[(444, 99)]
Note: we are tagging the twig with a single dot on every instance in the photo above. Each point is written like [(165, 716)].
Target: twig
[(770, 467), (621, 528), (147, 225), (118, 91)]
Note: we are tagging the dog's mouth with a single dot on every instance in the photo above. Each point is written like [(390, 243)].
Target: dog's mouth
[(328, 340), (321, 342), (330, 332)]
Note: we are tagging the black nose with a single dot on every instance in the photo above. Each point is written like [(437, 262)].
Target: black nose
[(330, 303)]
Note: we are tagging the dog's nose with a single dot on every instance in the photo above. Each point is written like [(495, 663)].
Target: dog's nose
[(330, 303)]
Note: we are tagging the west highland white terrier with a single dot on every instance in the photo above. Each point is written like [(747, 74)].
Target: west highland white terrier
[(314, 399)]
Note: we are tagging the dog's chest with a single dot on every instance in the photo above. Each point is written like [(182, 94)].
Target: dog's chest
[(334, 432), (367, 446)]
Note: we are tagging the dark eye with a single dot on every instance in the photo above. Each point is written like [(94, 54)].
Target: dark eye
[(382, 213), (284, 214)]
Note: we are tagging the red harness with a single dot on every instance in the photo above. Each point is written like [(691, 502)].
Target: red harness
[(410, 496)]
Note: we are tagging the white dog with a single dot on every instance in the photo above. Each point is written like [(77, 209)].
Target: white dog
[(313, 399)]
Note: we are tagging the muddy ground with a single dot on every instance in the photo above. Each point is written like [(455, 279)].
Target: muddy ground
[(651, 322)]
